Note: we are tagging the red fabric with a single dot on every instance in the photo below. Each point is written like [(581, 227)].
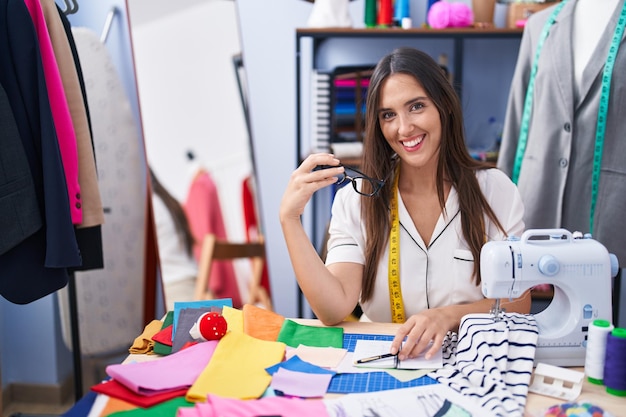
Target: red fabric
[(164, 336), (204, 213), (112, 388), (251, 220)]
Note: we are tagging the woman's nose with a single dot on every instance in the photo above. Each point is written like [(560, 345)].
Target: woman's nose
[(405, 125)]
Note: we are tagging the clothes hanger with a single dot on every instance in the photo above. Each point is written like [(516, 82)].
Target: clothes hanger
[(71, 7)]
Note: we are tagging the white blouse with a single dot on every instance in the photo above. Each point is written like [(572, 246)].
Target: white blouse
[(430, 276)]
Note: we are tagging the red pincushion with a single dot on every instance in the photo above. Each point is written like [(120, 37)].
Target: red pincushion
[(212, 326)]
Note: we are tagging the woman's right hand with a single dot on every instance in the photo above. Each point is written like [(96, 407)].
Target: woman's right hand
[(305, 181)]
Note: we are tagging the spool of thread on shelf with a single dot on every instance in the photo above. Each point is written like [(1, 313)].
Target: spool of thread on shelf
[(596, 350), (615, 363), (370, 13), (385, 13), (402, 8)]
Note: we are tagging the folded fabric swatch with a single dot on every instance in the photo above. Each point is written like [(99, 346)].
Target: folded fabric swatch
[(300, 384), (261, 323), (294, 334), (295, 363), (166, 409), (326, 357), (216, 406), (161, 348), (234, 318), (217, 305), (492, 361), (164, 336), (170, 373), (237, 369), (114, 389), (144, 343), (186, 319)]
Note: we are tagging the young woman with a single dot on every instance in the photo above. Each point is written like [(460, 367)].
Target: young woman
[(406, 245)]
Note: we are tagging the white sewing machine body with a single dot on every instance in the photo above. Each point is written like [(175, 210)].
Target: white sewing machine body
[(580, 269)]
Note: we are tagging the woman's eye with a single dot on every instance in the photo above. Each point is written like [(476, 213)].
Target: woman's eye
[(417, 106), (386, 115)]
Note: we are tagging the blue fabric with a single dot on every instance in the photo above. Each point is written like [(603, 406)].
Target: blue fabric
[(82, 407)]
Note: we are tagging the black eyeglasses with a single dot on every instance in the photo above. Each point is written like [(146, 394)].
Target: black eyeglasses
[(361, 183)]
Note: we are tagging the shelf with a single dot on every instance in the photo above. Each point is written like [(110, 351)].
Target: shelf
[(414, 32)]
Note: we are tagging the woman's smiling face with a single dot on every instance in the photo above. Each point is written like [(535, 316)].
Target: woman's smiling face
[(409, 120)]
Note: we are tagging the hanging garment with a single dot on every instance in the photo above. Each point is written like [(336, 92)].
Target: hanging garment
[(18, 202), (251, 220), (38, 265), (91, 204), (66, 136), (204, 212), (89, 232)]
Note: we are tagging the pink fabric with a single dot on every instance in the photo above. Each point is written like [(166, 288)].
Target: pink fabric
[(267, 406), (204, 213), (66, 135), (172, 372)]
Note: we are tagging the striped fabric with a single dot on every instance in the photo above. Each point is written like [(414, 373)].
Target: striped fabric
[(491, 361)]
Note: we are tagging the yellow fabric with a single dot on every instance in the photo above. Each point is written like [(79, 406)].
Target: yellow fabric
[(261, 323), (237, 368), (144, 343), (234, 318)]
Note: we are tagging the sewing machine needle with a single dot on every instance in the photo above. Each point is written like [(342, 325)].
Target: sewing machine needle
[(495, 310)]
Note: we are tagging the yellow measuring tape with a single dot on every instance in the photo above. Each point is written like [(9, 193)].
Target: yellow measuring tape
[(395, 291)]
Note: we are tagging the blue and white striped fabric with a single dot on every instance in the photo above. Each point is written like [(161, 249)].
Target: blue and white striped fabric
[(491, 361)]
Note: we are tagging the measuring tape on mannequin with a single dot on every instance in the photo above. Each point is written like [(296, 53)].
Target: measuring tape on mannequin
[(602, 109), (395, 291)]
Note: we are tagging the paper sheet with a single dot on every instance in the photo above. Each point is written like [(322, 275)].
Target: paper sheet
[(369, 348)]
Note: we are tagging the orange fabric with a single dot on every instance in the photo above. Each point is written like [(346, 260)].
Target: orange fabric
[(114, 405), (261, 323), (204, 213)]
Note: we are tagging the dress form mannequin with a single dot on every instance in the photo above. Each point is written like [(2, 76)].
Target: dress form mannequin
[(590, 20), (558, 178)]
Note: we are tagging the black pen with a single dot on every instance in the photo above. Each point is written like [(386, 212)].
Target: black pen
[(377, 357)]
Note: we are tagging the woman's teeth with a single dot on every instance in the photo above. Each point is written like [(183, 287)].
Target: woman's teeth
[(414, 142)]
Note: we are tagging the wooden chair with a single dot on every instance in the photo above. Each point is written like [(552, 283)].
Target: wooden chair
[(218, 249)]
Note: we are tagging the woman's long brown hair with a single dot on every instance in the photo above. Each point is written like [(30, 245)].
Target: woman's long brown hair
[(454, 165), (176, 211)]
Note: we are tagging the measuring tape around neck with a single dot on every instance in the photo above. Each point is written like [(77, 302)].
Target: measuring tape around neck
[(395, 291), (602, 108)]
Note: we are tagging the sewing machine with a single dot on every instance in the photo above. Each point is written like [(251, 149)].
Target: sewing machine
[(579, 268)]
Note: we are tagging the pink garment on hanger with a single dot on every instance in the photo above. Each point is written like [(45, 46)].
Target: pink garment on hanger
[(205, 217), (66, 135), (251, 219)]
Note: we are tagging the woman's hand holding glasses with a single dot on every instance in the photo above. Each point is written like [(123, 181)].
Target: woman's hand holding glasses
[(306, 180)]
